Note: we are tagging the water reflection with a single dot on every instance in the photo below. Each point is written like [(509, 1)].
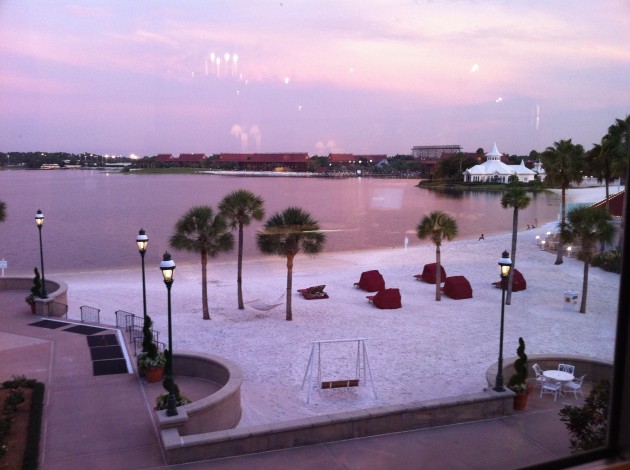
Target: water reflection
[(93, 218)]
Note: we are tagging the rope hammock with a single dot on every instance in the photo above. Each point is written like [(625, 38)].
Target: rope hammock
[(264, 307)]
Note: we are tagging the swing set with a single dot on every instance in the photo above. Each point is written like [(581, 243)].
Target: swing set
[(361, 372)]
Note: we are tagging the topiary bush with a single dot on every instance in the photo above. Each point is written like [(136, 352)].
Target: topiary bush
[(161, 402), (518, 381), (36, 289)]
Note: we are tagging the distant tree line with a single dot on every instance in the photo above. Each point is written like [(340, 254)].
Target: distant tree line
[(37, 159)]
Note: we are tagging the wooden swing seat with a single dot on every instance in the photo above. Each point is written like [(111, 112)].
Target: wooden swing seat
[(341, 383)]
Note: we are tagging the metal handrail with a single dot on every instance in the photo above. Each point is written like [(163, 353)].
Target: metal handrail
[(90, 314)]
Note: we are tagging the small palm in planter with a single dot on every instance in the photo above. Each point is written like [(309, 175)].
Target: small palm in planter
[(518, 381), (151, 361)]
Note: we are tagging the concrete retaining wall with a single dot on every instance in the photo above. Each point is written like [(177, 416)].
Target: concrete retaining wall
[(221, 410), (488, 404), (335, 427), (57, 291)]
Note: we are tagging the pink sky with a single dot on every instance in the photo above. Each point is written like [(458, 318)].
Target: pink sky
[(374, 76)]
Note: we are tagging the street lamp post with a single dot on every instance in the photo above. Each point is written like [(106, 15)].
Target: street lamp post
[(505, 263), (168, 267), (39, 221), (143, 241)]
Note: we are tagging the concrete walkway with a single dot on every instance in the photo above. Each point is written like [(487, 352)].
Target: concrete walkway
[(107, 421)]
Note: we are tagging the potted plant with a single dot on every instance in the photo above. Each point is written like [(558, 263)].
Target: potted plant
[(36, 290), (152, 364), (518, 381), (150, 361)]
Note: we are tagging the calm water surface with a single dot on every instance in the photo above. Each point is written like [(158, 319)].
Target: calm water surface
[(92, 217)]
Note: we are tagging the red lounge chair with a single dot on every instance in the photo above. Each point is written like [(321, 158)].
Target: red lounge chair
[(457, 287), (315, 292), (518, 282), (386, 298), (429, 273), (371, 281)]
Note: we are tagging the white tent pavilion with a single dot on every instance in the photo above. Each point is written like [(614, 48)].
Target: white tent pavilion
[(493, 170)]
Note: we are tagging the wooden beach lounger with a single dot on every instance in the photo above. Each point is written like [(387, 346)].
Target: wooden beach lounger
[(313, 293)]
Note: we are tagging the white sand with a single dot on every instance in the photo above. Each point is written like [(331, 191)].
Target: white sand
[(424, 350)]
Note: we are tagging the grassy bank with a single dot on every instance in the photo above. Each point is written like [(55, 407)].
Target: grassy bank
[(444, 185)]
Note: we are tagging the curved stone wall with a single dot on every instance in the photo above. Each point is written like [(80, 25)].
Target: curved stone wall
[(595, 369), (219, 411), (57, 291)]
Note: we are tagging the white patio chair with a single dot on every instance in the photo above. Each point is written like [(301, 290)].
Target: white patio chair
[(566, 368), (574, 386), (550, 387), (540, 378)]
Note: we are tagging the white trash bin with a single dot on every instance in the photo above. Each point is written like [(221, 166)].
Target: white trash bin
[(571, 300)]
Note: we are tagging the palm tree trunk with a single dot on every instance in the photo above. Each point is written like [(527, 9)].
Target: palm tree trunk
[(290, 257), (622, 224), (438, 273), (508, 298), (239, 275), (606, 180), (204, 285), (563, 216), (587, 261)]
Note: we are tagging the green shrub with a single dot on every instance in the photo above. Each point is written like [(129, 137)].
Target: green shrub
[(31, 453), (12, 401), (608, 260), (19, 381), (588, 424)]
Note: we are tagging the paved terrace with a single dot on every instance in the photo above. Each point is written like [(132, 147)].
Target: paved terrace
[(107, 421)]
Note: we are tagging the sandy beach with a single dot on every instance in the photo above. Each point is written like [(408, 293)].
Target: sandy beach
[(424, 350)]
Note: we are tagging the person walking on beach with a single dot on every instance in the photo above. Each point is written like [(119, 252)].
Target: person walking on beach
[(481, 237), (406, 241)]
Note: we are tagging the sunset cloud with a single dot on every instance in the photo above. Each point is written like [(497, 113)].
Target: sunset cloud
[(416, 72)]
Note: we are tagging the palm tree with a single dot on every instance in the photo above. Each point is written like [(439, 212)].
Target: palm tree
[(517, 198), (238, 209), (3, 211), (589, 226), (599, 164), (437, 226), (563, 165), (619, 139), (200, 231), (287, 233)]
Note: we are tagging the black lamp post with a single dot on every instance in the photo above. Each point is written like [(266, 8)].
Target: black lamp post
[(168, 267), (39, 221), (143, 241), (505, 263)]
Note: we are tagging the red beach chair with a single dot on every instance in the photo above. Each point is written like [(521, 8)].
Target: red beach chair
[(457, 287), (518, 282), (386, 299), (429, 273), (371, 281)]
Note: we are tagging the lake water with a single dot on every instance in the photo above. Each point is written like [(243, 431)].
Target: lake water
[(93, 217)]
